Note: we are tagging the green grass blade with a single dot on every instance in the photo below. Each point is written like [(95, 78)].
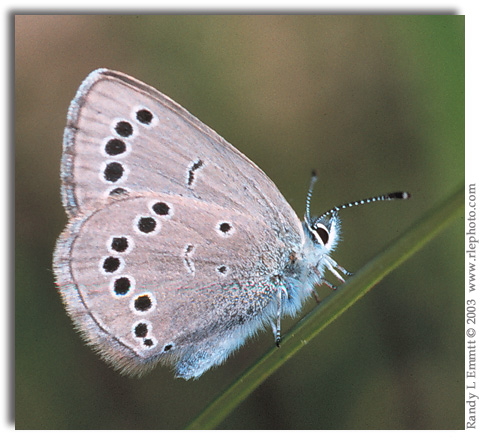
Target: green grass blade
[(335, 304)]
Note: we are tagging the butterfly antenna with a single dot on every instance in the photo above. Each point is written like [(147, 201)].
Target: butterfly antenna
[(313, 180), (386, 197)]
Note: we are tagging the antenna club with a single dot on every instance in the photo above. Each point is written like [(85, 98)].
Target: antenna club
[(386, 197), (399, 195)]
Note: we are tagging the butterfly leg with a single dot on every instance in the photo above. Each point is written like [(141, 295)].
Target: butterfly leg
[(328, 284), (276, 327), (322, 281), (331, 269), (332, 264), (278, 337)]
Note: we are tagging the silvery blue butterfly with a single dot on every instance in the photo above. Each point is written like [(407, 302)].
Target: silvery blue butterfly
[(178, 247)]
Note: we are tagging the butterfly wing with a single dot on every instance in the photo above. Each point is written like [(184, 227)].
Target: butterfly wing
[(175, 238), (125, 137), (167, 277)]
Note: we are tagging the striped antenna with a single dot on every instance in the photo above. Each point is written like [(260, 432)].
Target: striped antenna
[(388, 197), (313, 180)]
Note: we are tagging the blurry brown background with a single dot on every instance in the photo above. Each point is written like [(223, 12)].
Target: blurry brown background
[(374, 103)]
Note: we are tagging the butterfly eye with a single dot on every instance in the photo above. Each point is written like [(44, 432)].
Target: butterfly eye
[(322, 233)]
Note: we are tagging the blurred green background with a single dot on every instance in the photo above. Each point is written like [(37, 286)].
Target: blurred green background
[(374, 103)]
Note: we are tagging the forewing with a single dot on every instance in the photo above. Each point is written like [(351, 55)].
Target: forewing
[(124, 137)]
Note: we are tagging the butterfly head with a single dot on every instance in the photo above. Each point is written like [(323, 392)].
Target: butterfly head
[(324, 231)]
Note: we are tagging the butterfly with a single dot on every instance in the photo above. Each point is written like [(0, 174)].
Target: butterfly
[(178, 247)]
